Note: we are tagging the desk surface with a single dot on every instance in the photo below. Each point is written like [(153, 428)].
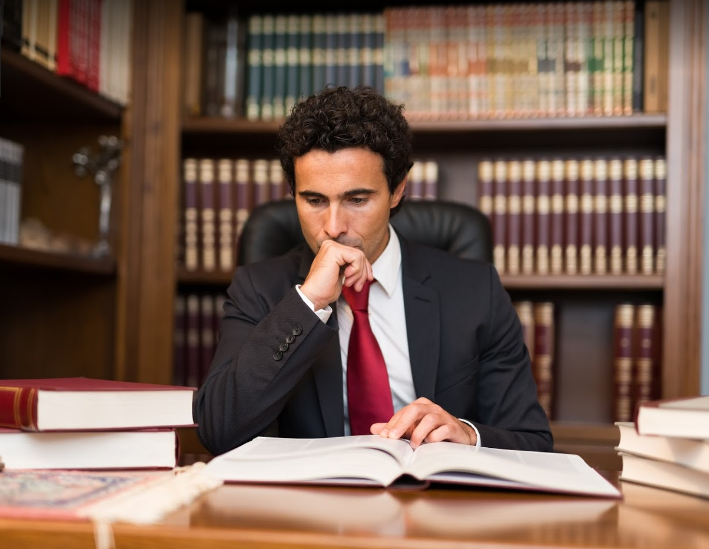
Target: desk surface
[(270, 517)]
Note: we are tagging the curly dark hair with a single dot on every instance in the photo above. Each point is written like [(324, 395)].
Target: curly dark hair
[(341, 118)]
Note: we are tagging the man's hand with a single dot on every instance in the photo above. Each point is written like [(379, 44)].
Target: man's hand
[(423, 421), (324, 282)]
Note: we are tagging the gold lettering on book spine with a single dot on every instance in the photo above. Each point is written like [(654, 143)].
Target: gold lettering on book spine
[(615, 207)]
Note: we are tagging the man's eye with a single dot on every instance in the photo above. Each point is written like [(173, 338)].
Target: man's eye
[(314, 201), (357, 200)]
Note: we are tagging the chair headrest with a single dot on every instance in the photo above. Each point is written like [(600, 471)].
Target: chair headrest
[(273, 229)]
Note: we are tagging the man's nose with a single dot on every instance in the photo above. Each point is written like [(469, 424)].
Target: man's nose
[(335, 223)]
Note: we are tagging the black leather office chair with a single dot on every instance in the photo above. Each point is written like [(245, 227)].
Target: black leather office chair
[(273, 228)]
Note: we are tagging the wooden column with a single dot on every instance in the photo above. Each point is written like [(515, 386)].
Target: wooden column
[(685, 197), (149, 192)]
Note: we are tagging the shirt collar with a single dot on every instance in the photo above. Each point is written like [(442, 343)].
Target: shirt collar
[(386, 267)]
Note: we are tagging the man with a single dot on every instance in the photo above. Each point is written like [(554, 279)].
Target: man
[(448, 341)]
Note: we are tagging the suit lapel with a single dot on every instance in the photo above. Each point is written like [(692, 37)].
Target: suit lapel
[(423, 326), (327, 369)]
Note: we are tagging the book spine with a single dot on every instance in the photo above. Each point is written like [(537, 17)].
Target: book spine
[(529, 208), (192, 357), (279, 64), (485, 186), (623, 362), (206, 335), (305, 57), (255, 71), (557, 216), (268, 67), (367, 52), (600, 203), (276, 180), (228, 107), (211, 63), (514, 217), (330, 49), (318, 55), (416, 185), (651, 85), (543, 215), (646, 184), (571, 208), (525, 312), (544, 355), (244, 202), (192, 64), (586, 217), (628, 56), (660, 189), (18, 408), (226, 226), (190, 186), (342, 49), (292, 62), (499, 220), (645, 371), (207, 214), (354, 53), (638, 57), (261, 182), (615, 214), (430, 180), (630, 173), (379, 52)]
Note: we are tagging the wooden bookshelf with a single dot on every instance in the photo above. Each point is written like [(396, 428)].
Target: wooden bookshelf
[(583, 282), (40, 259), (32, 92), (216, 278)]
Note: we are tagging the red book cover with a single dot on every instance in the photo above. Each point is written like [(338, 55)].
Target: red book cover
[(261, 186), (225, 225), (543, 210), (623, 362), (571, 209), (600, 202), (543, 365), (660, 189), (646, 375), (207, 214), (415, 187), (646, 184), (586, 217), (529, 208), (276, 180), (191, 226), (630, 191), (557, 216), (64, 30), (499, 217), (514, 211), (22, 402), (615, 214), (243, 194)]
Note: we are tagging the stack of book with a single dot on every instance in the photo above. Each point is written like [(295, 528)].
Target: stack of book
[(82, 423), (667, 446)]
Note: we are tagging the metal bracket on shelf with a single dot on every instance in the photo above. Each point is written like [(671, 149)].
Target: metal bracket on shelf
[(102, 165)]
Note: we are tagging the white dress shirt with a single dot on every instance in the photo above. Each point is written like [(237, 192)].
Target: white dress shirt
[(388, 320)]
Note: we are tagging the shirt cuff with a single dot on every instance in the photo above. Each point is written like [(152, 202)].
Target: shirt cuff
[(477, 444), (323, 314)]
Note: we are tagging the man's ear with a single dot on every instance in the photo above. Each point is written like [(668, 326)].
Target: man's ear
[(398, 193)]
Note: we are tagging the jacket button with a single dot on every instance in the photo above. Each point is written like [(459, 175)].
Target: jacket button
[(290, 338), (297, 330), (277, 355), (283, 347)]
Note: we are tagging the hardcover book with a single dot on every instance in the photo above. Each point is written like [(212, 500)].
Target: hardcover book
[(682, 417), (370, 460)]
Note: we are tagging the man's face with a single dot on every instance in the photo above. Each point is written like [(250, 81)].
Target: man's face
[(344, 196)]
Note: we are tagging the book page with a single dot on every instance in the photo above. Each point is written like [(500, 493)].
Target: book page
[(566, 473), (699, 403)]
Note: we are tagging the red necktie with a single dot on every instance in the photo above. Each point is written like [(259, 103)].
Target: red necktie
[(368, 392)]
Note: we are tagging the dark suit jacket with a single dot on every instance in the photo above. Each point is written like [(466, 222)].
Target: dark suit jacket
[(465, 344)]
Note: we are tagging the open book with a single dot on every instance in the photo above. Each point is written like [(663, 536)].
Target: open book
[(372, 460)]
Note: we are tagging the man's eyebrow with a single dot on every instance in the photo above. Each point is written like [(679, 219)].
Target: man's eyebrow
[(352, 192)]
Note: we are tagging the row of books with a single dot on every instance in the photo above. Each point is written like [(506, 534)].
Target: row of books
[(636, 363), (667, 445), (82, 423), (11, 160), (600, 215), (195, 337), (220, 194), (85, 40), (603, 57)]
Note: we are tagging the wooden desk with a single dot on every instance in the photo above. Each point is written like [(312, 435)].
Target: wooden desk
[(271, 517)]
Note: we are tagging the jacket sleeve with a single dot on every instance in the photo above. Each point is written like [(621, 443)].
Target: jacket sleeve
[(264, 349), (509, 412)]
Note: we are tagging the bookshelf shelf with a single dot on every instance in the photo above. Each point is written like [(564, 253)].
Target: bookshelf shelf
[(217, 278), (217, 125), (32, 92), (583, 282), (585, 433), (25, 257)]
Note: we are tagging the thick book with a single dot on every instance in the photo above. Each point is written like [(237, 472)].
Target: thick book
[(681, 417), (375, 461), (688, 452), (137, 449), (78, 403), (662, 474)]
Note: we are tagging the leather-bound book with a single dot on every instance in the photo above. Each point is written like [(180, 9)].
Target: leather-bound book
[(514, 213), (225, 214), (415, 187), (262, 192), (600, 213), (615, 214), (318, 54), (279, 65), (623, 362), (571, 210), (485, 187), (254, 75), (207, 214), (430, 180), (529, 208), (243, 195), (190, 179), (525, 312), (292, 62), (646, 375), (586, 216), (305, 57), (630, 190), (628, 54), (660, 190), (543, 364), (206, 335), (646, 189), (543, 240), (499, 217), (268, 64), (276, 180), (557, 216)]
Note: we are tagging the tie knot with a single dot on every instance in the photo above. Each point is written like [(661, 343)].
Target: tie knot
[(358, 301)]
